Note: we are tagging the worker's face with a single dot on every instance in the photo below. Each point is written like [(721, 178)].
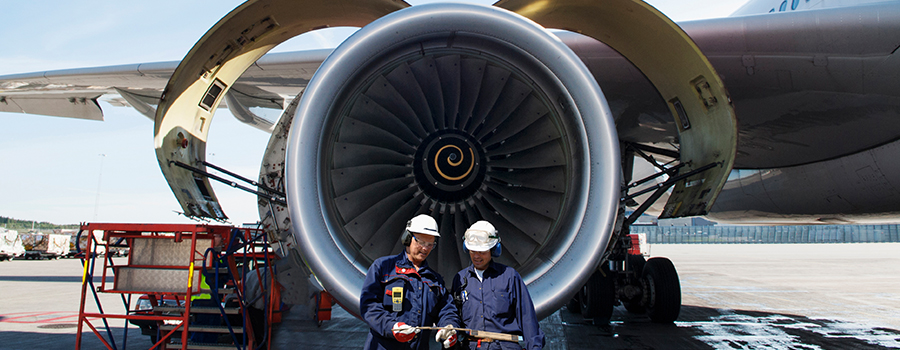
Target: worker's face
[(480, 259), (420, 247)]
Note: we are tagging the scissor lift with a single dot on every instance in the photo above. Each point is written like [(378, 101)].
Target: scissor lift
[(165, 263)]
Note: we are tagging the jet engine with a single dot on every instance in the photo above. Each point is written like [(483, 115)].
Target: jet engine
[(463, 113)]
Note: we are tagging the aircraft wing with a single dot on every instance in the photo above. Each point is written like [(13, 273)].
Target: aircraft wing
[(74, 93)]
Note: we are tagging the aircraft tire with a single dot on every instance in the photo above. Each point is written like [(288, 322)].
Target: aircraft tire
[(598, 296), (636, 263), (662, 291)]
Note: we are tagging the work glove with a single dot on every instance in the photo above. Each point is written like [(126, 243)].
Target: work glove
[(447, 335), (403, 332)]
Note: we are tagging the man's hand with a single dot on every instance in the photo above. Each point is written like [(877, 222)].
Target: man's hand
[(403, 332), (447, 335)]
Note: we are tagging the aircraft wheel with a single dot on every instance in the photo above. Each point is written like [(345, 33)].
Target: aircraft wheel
[(636, 264), (662, 291), (598, 296)]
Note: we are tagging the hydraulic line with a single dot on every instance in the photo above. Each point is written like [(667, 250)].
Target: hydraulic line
[(660, 189), (270, 194)]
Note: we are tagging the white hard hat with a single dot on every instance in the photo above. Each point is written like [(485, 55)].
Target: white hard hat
[(481, 236), (423, 224)]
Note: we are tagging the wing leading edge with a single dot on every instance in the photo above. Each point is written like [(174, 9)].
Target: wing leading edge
[(75, 93)]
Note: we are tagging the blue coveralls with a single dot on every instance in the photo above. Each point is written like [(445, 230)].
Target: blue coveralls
[(426, 302), (500, 304)]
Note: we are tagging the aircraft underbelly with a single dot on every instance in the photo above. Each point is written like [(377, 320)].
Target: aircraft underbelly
[(859, 188)]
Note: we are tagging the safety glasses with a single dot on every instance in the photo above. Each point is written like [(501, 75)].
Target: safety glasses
[(480, 238), (425, 245)]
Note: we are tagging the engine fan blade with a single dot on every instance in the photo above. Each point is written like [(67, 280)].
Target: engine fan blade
[(462, 223), (514, 242), (430, 83), (470, 74), (361, 228), (359, 132), (492, 84), (351, 154), (530, 111), (447, 257), (448, 69), (368, 111), (345, 180), (383, 92), (545, 155), (354, 203), (507, 106), (535, 227), (548, 179), (541, 202), (403, 80), (386, 240), (537, 133)]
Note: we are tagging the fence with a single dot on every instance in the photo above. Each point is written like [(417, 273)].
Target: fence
[(771, 234)]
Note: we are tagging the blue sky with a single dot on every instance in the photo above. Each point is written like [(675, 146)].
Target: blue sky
[(65, 170)]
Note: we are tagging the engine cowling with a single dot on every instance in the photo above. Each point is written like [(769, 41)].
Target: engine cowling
[(464, 113)]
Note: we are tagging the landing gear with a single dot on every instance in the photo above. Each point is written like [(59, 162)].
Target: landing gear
[(650, 287), (642, 286)]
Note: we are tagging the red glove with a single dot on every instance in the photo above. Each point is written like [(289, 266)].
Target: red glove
[(403, 332), (447, 336), (450, 342)]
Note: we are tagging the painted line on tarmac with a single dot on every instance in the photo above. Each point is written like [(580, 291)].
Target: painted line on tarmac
[(66, 314)]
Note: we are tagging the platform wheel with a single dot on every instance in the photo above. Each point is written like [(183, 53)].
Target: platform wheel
[(662, 291)]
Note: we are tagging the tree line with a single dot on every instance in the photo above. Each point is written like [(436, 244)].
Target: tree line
[(25, 225)]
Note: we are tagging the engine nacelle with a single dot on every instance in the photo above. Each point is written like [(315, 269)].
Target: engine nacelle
[(464, 113)]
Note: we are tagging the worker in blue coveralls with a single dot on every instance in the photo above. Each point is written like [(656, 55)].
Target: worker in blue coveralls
[(401, 293), (492, 297)]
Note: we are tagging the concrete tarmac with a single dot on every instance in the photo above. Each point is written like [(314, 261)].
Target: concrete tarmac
[(740, 296)]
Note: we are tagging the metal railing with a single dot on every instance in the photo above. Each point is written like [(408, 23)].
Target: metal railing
[(770, 234)]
